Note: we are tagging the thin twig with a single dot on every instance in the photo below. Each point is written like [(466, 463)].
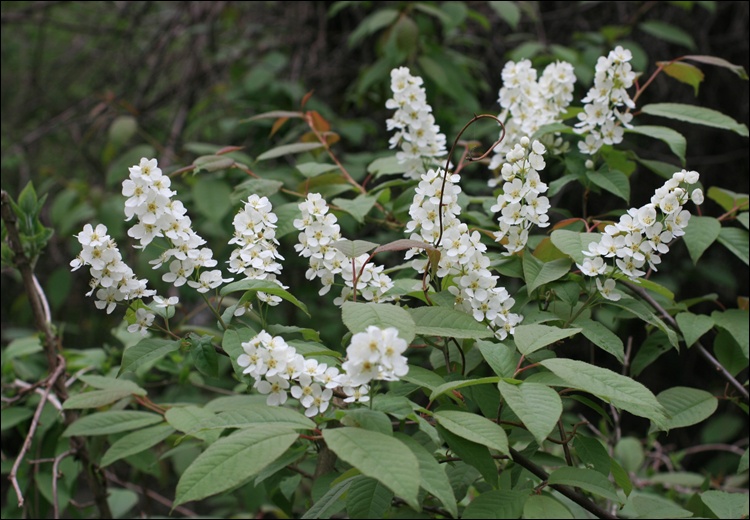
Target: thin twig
[(55, 471), (50, 382), (704, 352), (564, 490)]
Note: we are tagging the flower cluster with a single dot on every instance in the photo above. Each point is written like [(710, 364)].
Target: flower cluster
[(319, 233), (521, 204), (602, 118), (642, 234), (111, 278), (375, 354), (416, 132), (255, 236), (275, 365), (150, 200), (462, 253), (529, 104), (279, 370)]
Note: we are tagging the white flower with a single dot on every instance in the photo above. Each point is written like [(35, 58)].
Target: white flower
[(697, 196), (607, 289), (169, 302), (143, 320), (276, 388)]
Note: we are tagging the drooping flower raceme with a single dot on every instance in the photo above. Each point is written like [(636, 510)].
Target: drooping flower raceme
[(417, 135), (641, 235), (279, 370), (112, 279), (521, 204), (149, 199), (607, 106), (529, 104), (319, 232), (461, 253), (256, 253)]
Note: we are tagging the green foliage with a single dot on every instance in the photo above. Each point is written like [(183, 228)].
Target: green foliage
[(438, 403)]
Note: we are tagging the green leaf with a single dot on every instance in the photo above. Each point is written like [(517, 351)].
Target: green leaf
[(508, 11), (433, 477), (475, 428), (693, 326), (538, 406), (613, 181), (288, 149), (372, 23), (329, 504), (146, 351), (455, 385), (268, 287), (543, 506), (204, 355), (621, 477), (737, 241), (259, 187), (602, 337), (257, 414), (111, 390), (354, 248), (313, 169), (232, 460), (744, 462), (683, 72), (358, 207), (378, 456), (368, 498), (592, 453), (104, 423), (675, 140), (727, 199), (644, 313), (358, 316), (136, 442), (14, 416), (537, 273), (744, 219), (210, 196), (503, 359), (687, 406), (668, 33), (657, 507), (610, 386), (423, 377), (187, 419), (496, 504), (386, 166), (693, 114), (735, 322), (472, 454), (368, 420), (573, 244), (530, 338), (441, 321), (586, 479), (726, 505), (719, 62), (700, 233), (212, 163)]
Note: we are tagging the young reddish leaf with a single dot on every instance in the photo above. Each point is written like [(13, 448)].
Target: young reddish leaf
[(318, 122), (306, 98), (229, 149), (278, 124)]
